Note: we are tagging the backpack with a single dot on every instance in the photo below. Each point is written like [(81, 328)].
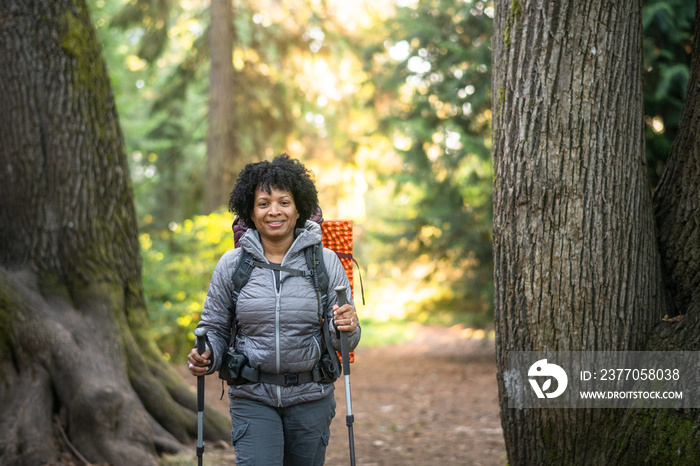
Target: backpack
[(235, 369)]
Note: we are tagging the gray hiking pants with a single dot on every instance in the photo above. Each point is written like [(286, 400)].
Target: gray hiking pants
[(294, 436)]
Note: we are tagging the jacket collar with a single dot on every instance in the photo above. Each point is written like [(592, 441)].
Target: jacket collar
[(309, 235)]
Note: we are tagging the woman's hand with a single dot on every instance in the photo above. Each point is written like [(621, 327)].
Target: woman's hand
[(344, 318), (198, 363)]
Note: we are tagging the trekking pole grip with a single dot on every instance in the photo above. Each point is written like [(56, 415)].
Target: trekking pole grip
[(344, 344), (201, 334)]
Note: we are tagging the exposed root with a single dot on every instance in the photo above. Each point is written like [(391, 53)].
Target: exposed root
[(68, 443)]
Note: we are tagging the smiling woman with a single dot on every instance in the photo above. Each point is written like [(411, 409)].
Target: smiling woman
[(275, 216), (284, 174), (278, 327)]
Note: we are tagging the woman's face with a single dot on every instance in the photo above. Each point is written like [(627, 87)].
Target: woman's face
[(275, 215)]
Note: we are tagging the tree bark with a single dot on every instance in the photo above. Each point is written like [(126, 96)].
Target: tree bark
[(576, 262), (672, 436), (223, 160), (74, 340), (677, 198)]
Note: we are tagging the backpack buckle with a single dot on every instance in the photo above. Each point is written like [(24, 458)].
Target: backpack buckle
[(291, 379)]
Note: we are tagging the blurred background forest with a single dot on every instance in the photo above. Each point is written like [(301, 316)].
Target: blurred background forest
[(387, 101)]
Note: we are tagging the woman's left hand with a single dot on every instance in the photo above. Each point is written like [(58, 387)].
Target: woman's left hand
[(344, 318)]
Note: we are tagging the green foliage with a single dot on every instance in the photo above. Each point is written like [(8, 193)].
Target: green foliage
[(667, 48), (177, 268), (153, 16), (151, 47), (435, 72), (159, 58)]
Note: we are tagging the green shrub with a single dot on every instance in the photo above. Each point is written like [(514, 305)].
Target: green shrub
[(177, 268)]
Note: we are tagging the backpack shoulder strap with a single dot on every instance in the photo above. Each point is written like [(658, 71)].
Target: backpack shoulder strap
[(321, 281), (239, 278), (319, 272), (241, 274)]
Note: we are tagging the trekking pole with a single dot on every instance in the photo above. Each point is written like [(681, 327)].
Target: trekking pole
[(201, 334), (345, 352)]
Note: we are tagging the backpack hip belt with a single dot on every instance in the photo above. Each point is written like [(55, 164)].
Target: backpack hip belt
[(253, 375)]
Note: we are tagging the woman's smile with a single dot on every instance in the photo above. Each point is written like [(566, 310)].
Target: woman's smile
[(275, 214)]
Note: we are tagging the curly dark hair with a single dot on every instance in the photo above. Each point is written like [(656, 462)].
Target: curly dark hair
[(284, 173)]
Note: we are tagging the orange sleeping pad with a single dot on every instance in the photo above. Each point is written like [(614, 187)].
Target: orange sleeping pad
[(337, 236)]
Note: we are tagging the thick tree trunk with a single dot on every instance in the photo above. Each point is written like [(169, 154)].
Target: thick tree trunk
[(677, 199), (75, 349), (223, 160), (677, 209), (672, 436), (575, 256)]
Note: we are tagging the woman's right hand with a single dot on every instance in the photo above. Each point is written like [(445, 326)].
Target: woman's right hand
[(198, 364)]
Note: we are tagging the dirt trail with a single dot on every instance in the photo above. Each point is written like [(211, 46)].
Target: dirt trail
[(430, 401)]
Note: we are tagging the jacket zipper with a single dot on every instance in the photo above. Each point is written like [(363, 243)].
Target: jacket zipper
[(278, 363)]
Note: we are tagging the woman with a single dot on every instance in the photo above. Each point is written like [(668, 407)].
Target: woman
[(276, 319)]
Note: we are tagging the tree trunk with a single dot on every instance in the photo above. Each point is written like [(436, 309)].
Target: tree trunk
[(575, 256), (223, 160), (75, 350), (671, 436), (677, 198)]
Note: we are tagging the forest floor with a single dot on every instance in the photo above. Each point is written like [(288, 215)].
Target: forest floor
[(432, 400)]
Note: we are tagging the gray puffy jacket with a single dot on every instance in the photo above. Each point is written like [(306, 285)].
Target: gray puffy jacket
[(278, 325)]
